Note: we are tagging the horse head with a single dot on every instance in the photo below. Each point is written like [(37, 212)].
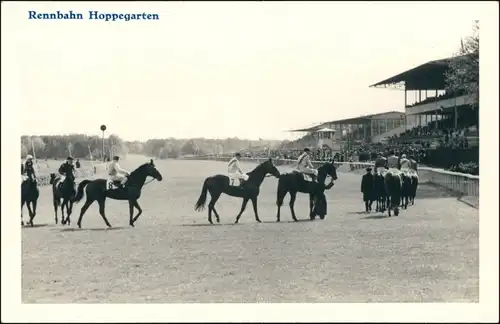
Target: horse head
[(147, 170), (330, 169), (270, 168), (52, 178)]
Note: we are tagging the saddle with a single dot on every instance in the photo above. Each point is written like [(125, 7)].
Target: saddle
[(305, 176), (114, 185)]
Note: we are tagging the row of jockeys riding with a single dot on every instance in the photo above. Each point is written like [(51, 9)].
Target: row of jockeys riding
[(122, 185), (393, 184)]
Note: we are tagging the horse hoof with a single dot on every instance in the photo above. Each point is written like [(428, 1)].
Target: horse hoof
[(218, 221), (22, 223), (131, 224), (79, 225)]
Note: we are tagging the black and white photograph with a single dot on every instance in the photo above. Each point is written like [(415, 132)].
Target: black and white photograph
[(242, 161)]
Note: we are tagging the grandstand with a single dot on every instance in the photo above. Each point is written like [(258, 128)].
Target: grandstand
[(445, 124), (362, 129), (434, 115)]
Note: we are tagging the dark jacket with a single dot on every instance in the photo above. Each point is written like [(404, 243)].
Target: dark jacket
[(368, 186), (67, 170), (28, 169)]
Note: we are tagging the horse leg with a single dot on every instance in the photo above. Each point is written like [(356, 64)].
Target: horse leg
[(254, 204), (30, 212), (312, 215), (139, 209), (69, 207), (63, 219), (22, 205), (243, 206), (56, 203), (293, 196), (102, 204), (211, 206), (83, 210), (279, 202), (33, 214), (131, 213)]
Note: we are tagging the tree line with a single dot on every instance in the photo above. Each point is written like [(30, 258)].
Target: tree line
[(85, 147)]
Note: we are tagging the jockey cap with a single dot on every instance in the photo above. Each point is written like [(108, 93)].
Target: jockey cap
[(307, 149), (29, 157), (403, 156), (69, 158), (116, 158), (237, 155), (368, 169)]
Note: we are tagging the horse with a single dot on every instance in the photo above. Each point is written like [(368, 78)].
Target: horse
[(406, 189), (29, 196), (62, 190), (100, 189), (392, 184), (294, 182), (414, 186), (380, 193), (219, 184)]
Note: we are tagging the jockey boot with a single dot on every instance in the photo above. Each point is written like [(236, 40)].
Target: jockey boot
[(367, 208), (123, 182), (242, 182), (314, 178)]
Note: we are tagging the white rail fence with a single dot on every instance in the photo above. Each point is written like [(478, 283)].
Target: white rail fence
[(84, 172), (464, 184)]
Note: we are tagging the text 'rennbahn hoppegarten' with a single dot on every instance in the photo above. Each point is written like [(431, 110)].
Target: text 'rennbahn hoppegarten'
[(92, 15)]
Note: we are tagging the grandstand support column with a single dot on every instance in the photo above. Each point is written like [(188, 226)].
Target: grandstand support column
[(455, 117), (436, 119), (419, 95), (406, 96)]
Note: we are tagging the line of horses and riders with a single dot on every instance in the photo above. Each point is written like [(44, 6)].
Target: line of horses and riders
[(388, 187)]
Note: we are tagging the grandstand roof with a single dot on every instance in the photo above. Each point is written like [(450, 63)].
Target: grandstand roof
[(428, 76), (353, 120)]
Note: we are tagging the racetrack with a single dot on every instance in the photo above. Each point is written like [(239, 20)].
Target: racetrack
[(427, 254)]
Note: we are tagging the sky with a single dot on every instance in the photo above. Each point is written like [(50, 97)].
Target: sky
[(215, 70)]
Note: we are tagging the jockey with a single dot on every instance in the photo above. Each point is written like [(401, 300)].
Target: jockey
[(67, 169), (304, 164), (116, 173), (404, 164), (413, 164), (380, 162), (393, 163), (233, 167), (28, 169)]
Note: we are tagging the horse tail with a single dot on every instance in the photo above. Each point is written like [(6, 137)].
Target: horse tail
[(79, 194), (200, 204)]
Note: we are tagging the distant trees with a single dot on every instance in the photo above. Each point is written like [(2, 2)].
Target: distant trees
[(83, 146), (463, 73)]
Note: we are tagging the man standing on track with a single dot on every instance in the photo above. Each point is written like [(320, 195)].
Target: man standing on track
[(368, 189), (233, 167)]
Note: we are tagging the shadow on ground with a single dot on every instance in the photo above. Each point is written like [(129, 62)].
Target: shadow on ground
[(73, 229)]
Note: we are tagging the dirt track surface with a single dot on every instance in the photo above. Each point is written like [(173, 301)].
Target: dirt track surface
[(427, 254)]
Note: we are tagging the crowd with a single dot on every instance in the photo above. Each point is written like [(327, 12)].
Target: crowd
[(444, 96)]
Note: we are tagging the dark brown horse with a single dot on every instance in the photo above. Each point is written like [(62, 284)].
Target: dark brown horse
[(99, 190), (218, 184), (64, 190), (29, 196), (294, 182)]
